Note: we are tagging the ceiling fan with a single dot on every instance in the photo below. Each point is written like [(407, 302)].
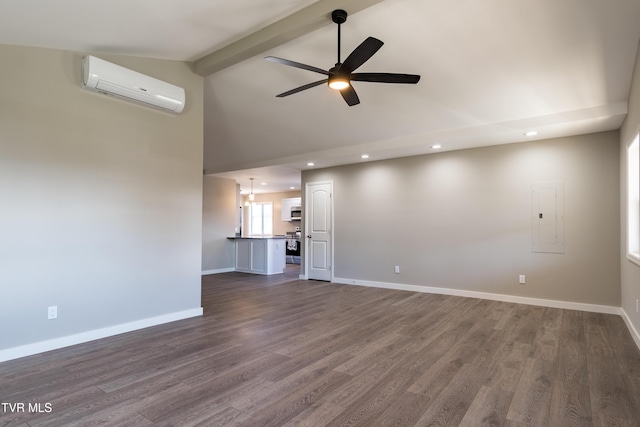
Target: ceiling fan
[(342, 74)]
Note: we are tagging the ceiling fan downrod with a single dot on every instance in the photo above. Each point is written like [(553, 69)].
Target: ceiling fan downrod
[(339, 17)]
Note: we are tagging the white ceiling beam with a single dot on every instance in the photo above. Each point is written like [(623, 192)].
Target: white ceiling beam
[(293, 26)]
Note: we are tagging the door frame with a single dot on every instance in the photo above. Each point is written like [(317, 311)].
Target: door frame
[(307, 205)]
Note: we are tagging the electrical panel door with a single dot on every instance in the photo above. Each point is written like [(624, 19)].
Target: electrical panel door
[(547, 217)]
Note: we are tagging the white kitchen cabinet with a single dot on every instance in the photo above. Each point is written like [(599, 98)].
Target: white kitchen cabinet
[(286, 206), (260, 255)]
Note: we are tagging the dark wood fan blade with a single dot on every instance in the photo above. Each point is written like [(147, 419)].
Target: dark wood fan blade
[(350, 96), (361, 54), (297, 65), (301, 88), (386, 78)]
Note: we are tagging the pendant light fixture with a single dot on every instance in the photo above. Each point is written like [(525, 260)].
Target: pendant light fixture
[(251, 195)]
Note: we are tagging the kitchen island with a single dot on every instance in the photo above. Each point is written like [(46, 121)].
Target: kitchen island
[(260, 255)]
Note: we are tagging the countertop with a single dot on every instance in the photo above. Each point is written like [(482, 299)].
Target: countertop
[(257, 237)]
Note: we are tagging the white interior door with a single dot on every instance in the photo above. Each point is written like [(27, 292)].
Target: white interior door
[(318, 227)]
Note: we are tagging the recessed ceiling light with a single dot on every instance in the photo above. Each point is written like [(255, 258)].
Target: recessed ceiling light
[(436, 146), (263, 183), (364, 156), (531, 133), (292, 188), (310, 164)]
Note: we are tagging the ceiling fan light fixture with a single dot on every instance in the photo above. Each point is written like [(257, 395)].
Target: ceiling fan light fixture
[(338, 83)]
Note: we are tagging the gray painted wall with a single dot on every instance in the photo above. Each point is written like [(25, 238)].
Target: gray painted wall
[(218, 222), (462, 219), (100, 199), (630, 272)]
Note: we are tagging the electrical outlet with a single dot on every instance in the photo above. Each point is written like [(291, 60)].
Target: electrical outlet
[(522, 279), (397, 269), (52, 312)]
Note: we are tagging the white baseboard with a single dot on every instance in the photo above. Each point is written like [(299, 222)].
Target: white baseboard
[(56, 343), (632, 330), (606, 309), (218, 271), (302, 277)]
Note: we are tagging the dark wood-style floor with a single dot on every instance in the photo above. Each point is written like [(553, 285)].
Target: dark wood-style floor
[(277, 351)]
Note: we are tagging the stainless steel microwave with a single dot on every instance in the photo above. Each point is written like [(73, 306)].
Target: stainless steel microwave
[(296, 213)]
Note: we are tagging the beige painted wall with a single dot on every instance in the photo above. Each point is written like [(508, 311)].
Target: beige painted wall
[(218, 223), (630, 272), (100, 199), (461, 219)]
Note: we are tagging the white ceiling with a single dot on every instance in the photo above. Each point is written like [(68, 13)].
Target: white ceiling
[(167, 29), (490, 70)]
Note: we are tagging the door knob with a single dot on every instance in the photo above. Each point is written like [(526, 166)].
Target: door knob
[(309, 236)]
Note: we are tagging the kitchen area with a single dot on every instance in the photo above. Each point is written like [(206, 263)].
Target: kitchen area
[(268, 236), (292, 212)]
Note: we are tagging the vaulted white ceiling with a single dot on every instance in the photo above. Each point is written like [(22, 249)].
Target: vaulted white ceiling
[(491, 71)]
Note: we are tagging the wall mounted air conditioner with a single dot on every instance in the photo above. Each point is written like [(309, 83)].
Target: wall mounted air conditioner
[(111, 79)]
